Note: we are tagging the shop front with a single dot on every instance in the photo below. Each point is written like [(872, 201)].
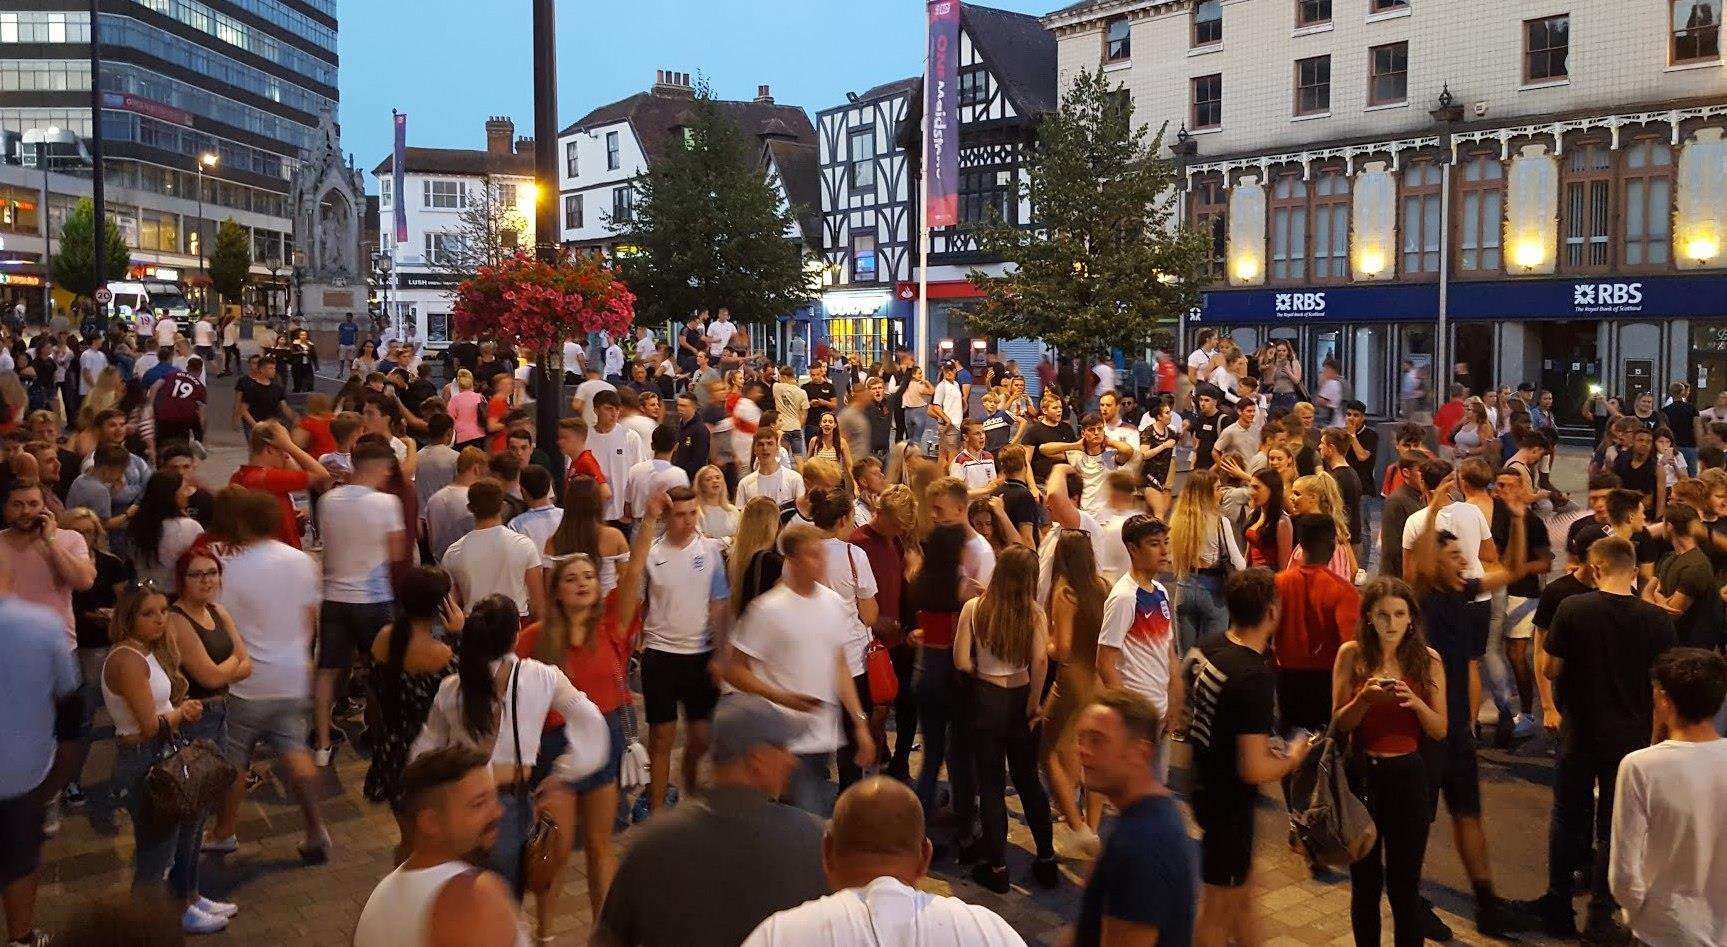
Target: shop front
[(1624, 335), (21, 283), (868, 323)]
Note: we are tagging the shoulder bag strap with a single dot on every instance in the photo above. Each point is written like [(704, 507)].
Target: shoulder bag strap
[(515, 725), (854, 567)]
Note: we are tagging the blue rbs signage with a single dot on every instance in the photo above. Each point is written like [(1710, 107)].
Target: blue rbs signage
[(1666, 297)]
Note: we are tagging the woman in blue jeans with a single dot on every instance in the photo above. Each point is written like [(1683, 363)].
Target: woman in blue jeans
[(145, 692), (942, 705), (1203, 552)]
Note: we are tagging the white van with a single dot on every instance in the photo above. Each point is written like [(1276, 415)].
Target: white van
[(152, 297)]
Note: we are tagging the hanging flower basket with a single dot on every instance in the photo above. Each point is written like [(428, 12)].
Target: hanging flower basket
[(525, 302)]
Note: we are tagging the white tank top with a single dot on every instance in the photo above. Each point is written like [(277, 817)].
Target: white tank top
[(124, 724), (401, 905)]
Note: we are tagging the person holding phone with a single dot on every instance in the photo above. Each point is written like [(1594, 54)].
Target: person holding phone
[(47, 564)]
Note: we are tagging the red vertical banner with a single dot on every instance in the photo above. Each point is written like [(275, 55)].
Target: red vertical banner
[(941, 113)]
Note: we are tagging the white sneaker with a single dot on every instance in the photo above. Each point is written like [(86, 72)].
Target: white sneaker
[(195, 921), (1082, 844), (216, 908), (51, 817), (321, 758), (221, 846), (1523, 726)]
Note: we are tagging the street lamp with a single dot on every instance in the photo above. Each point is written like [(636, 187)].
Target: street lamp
[(206, 160), (42, 138), (386, 265)]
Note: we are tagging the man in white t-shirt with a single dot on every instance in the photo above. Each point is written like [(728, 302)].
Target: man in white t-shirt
[(1104, 375), (790, 647), (973, 464), (363, 532), (90, 366), (495, 559), (1199, 361), (272, 592), (875, 852), (948, 501), (1329, 397), (684, 626), (720, 332), (1109, 406), (655, 475), (614, 362), (616, 448), (771, 478), (793, 405), (1462, 519), (947, 405), (1093, 456), (204, 339), (1136, 646), (166, 330), (848, 573), (583, 399)]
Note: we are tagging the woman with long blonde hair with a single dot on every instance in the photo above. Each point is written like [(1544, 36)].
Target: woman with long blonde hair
[(1077, 594), (1318, 493), (467, 408), (755, 560), (109, 388), (1389, 690), (1202, 551), (717, 517), (1475, 435), (1002, 641)]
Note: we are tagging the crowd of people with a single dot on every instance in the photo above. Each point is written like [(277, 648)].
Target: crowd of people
[(864, 599)]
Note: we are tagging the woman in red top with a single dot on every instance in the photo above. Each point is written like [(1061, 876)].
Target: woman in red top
[(588, 635), (1389, 688)]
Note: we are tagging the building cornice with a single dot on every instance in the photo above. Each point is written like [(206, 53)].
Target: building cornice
[(1068, 22)]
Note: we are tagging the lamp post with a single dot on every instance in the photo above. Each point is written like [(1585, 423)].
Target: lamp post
[(548, 386), (1446, 114), (43, 138), (386, 271), (275, 267), (206, 160)]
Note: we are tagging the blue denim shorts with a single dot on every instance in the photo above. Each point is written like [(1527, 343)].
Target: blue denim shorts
[(553, 743), (282, 723)]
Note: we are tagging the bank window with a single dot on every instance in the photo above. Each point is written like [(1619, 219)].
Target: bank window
[(1211, 219), (1330, 226), (863, 258), (862, 142), (1207, 101), (1586, 210), (1313, 85), (1546, 48), (1208, 22), (1118, 40), (1388, 74), (984, 196), (573, 212), (1647, 180), (1696, 30), (444, 195), (1289, 228), (1481, 196), (614, 151), (1421, 218), (1312, 12)]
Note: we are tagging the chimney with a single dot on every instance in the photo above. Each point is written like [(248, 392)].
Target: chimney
[(524, 144), (500, 132), (671, 84), (764, 96)]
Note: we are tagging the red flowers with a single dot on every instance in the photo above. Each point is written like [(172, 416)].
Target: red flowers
[(526, 302)]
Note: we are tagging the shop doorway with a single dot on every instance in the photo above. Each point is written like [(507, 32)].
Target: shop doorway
[(1473, 357), (1570, 365)]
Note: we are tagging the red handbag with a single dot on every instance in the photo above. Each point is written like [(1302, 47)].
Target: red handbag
[(878, 663)]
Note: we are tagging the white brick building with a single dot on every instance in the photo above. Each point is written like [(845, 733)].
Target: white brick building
[(1570, 209)]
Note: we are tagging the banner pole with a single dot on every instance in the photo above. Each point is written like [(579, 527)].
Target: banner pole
[(920, 329)]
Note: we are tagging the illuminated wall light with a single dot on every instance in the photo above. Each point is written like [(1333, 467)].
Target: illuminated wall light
[(1372, 262), (1529, 254), (1702, 248), (1246, 268)]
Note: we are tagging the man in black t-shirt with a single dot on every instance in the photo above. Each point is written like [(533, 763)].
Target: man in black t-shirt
[(1517, 626), (1600, 649), (823, 399), (1682, 421), (1206, 424), (1363, 452), (1047, 428), (1687, 589), (1023, 509), (262, 396), (1232, 705), (1334, 447), (1639, 470)]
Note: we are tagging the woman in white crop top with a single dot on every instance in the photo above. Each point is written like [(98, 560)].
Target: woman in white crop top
[(1003, 640), (145, 693), (497, 704)]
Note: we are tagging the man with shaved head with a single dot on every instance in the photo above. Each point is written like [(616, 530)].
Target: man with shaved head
[(874, 852)]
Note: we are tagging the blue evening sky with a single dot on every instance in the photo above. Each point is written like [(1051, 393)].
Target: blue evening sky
[(451, 63)]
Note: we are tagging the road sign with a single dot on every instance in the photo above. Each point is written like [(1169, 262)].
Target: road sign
[(104, 296)]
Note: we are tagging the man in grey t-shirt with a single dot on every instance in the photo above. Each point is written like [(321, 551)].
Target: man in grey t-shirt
[(1242, 437), (735, 831)]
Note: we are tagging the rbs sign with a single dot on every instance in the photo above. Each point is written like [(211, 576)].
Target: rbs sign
[(1607, 297), (1300, 304)]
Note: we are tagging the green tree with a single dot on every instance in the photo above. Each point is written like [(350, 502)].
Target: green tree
[(1106, 264), (708, 230), (230, 260), (72, 265)]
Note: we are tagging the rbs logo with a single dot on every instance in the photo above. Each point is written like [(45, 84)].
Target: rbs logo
[(1588, 296), (1300, 302)]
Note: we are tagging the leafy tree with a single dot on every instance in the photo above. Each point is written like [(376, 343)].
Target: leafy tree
[(1106, 264), (489, 229), (72, 265), (709, 231), (230, 260)]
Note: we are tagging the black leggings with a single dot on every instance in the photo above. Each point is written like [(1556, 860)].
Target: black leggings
[(1001, 733), (904, 707), (1395, 789)]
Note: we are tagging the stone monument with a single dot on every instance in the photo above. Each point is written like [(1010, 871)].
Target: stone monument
[(328, 198)]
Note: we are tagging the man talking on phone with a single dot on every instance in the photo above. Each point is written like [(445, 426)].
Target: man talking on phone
[(47, 564)]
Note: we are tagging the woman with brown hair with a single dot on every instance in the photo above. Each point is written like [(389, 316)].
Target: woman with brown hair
[(754, 563), (583, 531), (1475, 436), (1002, 641), (1386, 686), (1076, 599)]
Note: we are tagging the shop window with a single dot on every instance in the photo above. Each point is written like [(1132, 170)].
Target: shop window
[(1211, 218), (1330, 227), (1586, 208), (1289, 228), (1480, 232), (1696, 30), (1647, 181), (1208, 22), (1421, 217)]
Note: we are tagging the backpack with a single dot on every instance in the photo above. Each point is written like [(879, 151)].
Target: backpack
[(1330, 821)]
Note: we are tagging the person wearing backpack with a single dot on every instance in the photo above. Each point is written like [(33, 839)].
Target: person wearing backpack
[(1385, 686), (1231, 713)]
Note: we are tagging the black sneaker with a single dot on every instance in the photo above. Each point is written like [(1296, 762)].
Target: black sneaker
[(74, 793), (1547, 915), (1607, 932), (1046, 872), (992, 877), (1432, 926), (967, 850)]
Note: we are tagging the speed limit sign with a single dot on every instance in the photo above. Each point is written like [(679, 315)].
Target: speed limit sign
[(104, 296)]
